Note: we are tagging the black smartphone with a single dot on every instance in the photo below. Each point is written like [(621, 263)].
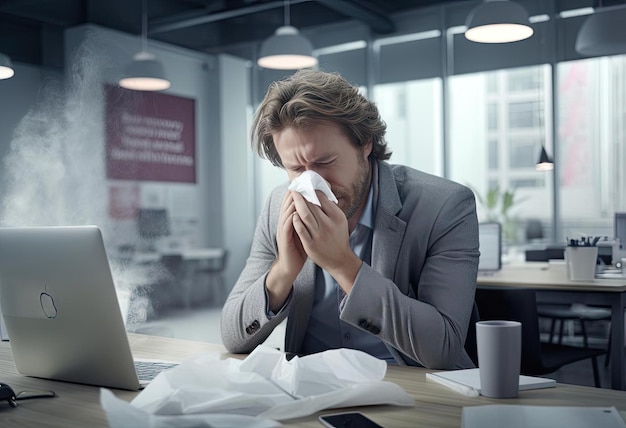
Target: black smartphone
[(348, 420)]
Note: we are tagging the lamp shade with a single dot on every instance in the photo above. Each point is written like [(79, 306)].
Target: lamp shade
[(603, 33), (287, 49), (498, 21), (144, 73), (545, 163), (6, 68)]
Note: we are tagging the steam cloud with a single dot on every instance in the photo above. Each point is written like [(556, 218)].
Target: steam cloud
[(54, 173)]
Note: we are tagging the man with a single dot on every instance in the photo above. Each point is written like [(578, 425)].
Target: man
[(390, 269)]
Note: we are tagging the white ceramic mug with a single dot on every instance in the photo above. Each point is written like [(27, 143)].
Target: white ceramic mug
[(499, 346)]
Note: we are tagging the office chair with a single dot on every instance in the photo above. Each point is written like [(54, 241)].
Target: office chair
[(470, 339), (166, 293), (534, 230), (520, 304), (214, 272), (575, 312)]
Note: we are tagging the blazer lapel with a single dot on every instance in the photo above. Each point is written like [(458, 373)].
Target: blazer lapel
[(389, 229)]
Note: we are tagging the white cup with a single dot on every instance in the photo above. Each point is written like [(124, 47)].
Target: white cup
[(499, 346), (581, 263)]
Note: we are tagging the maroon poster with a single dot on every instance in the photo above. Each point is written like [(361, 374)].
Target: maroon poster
[(150, 136), (124, 202)]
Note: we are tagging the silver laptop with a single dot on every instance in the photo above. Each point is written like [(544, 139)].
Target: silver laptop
[(60, 307)]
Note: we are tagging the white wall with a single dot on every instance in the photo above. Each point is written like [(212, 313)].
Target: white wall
[(223, 195), (237, 200), (193, 75)]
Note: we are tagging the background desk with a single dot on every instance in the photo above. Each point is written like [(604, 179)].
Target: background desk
[(436, 406), (190, 254), (552, 281), (175, 278)]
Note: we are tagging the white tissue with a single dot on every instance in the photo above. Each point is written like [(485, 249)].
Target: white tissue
[(307, 183), (255, 392)]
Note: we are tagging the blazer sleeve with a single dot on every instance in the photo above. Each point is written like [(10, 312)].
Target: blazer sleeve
[(428, 321), (245, 322)]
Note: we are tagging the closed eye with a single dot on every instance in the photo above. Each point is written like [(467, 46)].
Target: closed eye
[(326, 163)]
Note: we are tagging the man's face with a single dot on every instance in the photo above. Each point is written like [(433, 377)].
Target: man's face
[(326, 150)]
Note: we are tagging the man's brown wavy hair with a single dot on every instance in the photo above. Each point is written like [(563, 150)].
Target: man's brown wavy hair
[(311, 97)]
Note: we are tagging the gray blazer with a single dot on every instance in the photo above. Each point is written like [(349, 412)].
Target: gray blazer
[(417, 295)]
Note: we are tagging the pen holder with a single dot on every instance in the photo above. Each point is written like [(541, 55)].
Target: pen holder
[(581, 263)]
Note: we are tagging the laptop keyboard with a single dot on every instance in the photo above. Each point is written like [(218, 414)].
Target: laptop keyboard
[(147, 370)]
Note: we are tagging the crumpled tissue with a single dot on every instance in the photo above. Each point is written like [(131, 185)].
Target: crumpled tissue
[(207, 391), (306, 184)]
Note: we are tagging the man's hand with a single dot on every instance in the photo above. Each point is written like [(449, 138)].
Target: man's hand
[(323, 232), (291, 256)]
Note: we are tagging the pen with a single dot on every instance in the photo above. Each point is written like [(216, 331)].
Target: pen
[(468, 391)]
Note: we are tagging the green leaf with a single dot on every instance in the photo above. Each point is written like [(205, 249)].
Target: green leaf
[(492, 198), (508, 199)]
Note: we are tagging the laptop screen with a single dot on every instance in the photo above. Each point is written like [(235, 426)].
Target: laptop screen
[(490, 239), (60, 306)]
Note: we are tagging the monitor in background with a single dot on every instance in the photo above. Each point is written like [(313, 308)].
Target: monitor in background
[(490, 239)]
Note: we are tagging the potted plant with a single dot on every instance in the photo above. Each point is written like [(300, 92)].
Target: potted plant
[(497, 205)]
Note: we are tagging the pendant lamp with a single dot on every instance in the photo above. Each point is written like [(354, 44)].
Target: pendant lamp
[(6, 68), (603, 32), (544, 163), (498, 21), (286, 49), (145, 72)]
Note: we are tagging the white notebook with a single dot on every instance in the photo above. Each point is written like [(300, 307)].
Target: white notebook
[(467, 381), (512, 416)]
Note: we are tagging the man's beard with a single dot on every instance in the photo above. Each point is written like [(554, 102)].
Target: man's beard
[(359, 190)]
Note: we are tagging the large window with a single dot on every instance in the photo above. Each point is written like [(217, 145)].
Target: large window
[(592, 145), (498, 123), (524, 114), (412, 112)]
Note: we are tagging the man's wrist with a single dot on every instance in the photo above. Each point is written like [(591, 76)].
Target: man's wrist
[(346, 274), (278, 285)]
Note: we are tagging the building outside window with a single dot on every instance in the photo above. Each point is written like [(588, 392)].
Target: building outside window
[(498, 123), (412, 112)]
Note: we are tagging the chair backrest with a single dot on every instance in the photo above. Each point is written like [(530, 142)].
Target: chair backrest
[(172, 263), (216, 264), (515, 304), (534, 230)]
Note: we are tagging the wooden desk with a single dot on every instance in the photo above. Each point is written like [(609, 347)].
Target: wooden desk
[(436, 406), (553, 286)]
